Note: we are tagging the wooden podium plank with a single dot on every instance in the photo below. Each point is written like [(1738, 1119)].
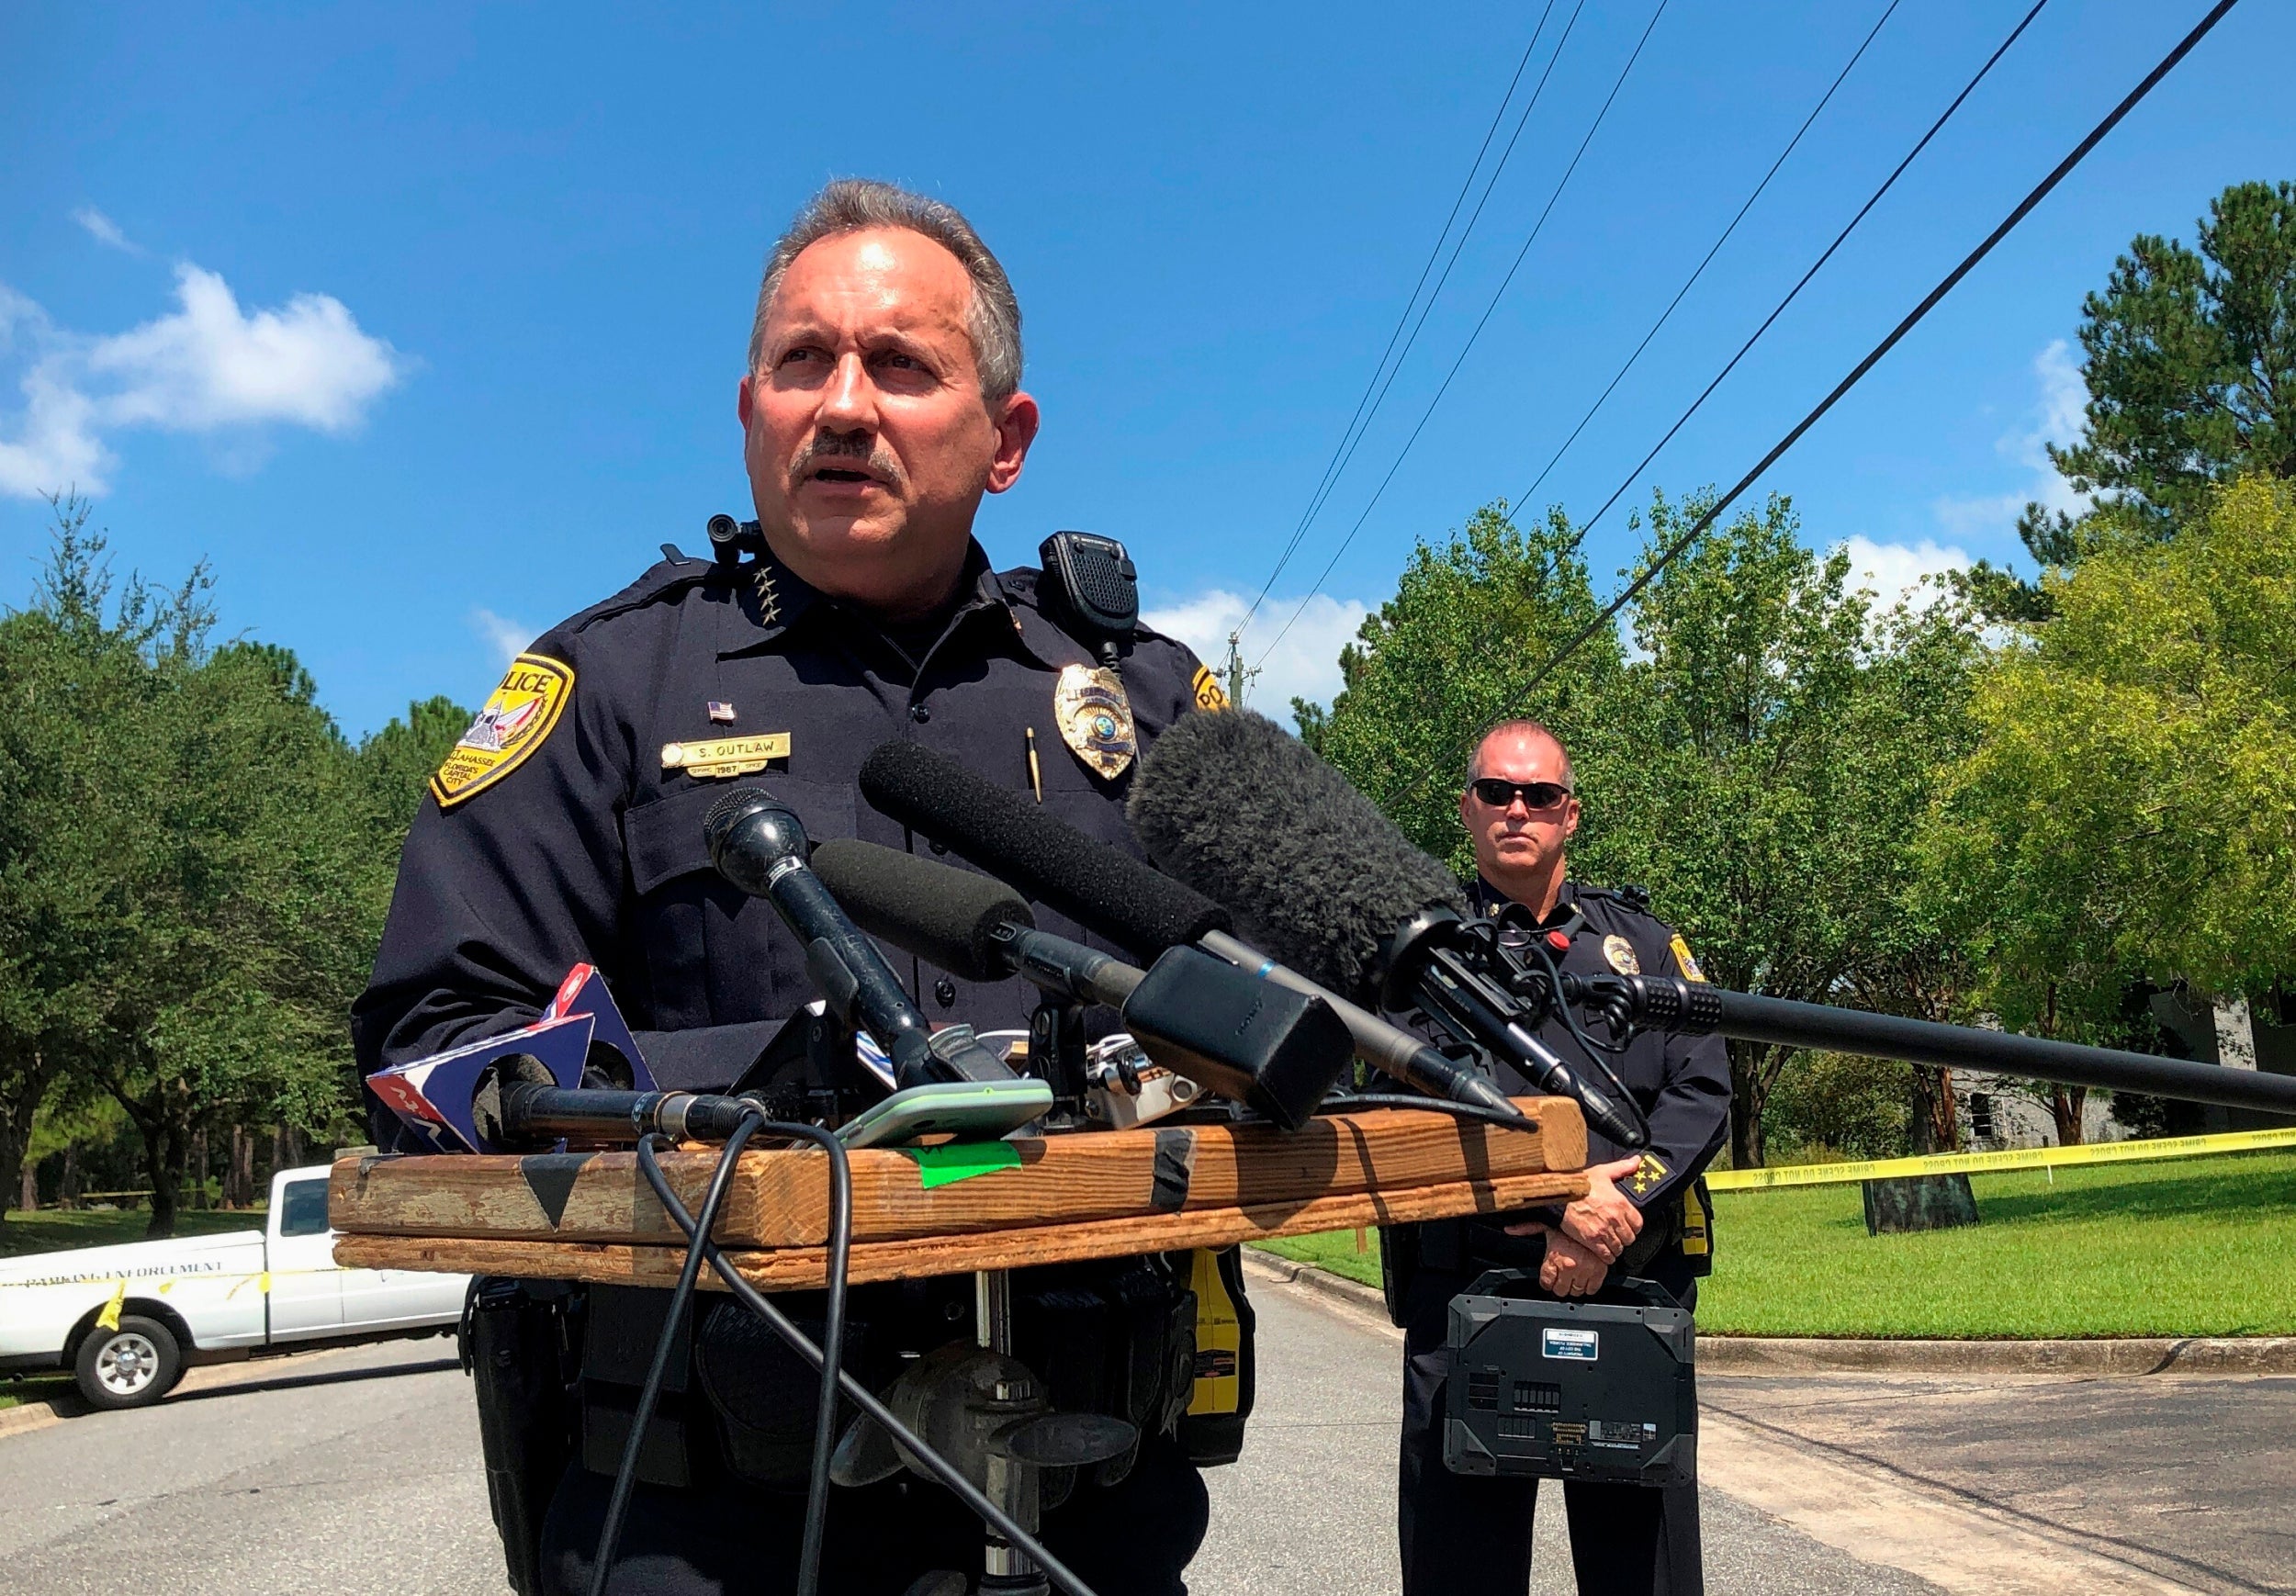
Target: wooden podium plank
[(779, 1197), (800, 1269)]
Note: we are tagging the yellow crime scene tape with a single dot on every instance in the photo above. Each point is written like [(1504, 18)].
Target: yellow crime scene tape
[(1990, 1163)]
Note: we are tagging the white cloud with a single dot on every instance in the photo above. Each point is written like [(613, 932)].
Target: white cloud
[(207, 367), (1305, 664), (2056, 419), (505, 636), (105, 231), (1894, 571)]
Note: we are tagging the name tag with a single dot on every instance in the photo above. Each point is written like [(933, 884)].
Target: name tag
[(726, 756)]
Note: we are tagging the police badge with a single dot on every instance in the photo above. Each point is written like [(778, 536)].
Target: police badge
[(1095, 718), (1620, 954)]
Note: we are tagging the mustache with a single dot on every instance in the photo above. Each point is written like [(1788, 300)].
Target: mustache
[(865, 449)]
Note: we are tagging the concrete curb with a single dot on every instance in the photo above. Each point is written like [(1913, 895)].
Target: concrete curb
[(1276, 1269), (1747, 1355), (27, 1416)]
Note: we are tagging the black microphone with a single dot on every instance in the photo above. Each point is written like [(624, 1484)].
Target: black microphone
[(758, 843), (1239, 809), (1138, 908), (1277, 1050)]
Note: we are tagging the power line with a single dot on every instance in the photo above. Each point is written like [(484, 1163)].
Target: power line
[(1690, 282), (1815, 266), (1477, 333), (1913, 318), (1351, 434)]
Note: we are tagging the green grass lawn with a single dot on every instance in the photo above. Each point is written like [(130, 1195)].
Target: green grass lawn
[(2196, 1247)]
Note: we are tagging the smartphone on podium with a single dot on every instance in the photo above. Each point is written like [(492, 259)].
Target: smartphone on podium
[(963, 1110)]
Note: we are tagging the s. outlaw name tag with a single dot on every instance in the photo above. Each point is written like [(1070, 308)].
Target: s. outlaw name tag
[(726, 756)]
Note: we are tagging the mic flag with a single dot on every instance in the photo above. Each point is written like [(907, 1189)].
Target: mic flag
[(433, 1096), (579, 1027), (584, 992)]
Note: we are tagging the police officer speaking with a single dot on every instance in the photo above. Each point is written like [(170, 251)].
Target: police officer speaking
[(882, 399), (1644, 1215)]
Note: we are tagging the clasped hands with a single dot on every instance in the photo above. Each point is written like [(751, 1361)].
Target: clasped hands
[(1594, 1231)]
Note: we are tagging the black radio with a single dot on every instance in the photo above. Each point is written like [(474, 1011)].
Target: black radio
[(1597, 1390)]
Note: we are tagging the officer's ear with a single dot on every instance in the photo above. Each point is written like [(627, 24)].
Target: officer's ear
[(745, 400), (1571, 818), (1015, 420)]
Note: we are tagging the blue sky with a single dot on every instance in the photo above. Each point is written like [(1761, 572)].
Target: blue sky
[(422, 324)]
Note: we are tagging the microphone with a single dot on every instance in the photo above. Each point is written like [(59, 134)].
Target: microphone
[(1142, 911), (1139, 909), (1276, 1050), (758, 843), (1237, 808)]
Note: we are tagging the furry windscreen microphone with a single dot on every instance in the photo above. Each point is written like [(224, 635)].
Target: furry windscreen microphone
[(1247, 815), (1051, 861), (943, 915)]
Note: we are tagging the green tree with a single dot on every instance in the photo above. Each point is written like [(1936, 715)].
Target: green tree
[(2130, 810), (1471, 620), (2189, 358), (72, 665), (1783, 739), (1762, 764), (2191, 363)]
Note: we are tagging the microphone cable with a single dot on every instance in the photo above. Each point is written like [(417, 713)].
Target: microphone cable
[(649, 1394), (840, 1239)]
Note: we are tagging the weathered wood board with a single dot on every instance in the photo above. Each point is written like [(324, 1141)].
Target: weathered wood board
[(1019, 1247), (779, 1197)]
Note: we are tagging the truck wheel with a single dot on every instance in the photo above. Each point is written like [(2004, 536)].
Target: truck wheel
[(130, 1367)]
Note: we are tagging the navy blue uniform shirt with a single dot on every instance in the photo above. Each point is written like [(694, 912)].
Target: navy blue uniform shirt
[(587, 847), (1681, 1084)]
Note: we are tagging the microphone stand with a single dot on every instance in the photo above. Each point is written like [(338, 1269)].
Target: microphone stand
[(1006, 1569)]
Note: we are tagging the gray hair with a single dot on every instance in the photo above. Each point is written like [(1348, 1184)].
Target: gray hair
[(864, 205), (1525, 727)]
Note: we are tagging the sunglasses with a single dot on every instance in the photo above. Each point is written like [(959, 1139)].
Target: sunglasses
[(1499, 792)]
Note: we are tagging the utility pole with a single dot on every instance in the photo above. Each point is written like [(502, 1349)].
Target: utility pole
[(1236, 676)]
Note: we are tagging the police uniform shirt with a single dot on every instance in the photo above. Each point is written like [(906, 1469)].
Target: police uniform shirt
[(1681, 1084), (565, 830)]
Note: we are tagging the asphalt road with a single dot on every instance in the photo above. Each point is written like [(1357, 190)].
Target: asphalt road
[(357, 1471)]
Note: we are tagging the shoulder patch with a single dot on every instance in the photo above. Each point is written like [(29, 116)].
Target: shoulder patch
[(1688, 965), (1207, 689), (517, 716)]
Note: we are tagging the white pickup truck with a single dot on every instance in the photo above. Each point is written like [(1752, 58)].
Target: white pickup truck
[(126, 1320)]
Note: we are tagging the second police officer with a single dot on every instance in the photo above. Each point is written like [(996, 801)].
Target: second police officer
[(1644, 1214), (882, 399)]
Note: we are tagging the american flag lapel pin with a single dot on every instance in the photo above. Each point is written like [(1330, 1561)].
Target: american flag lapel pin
[(721, 711)]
